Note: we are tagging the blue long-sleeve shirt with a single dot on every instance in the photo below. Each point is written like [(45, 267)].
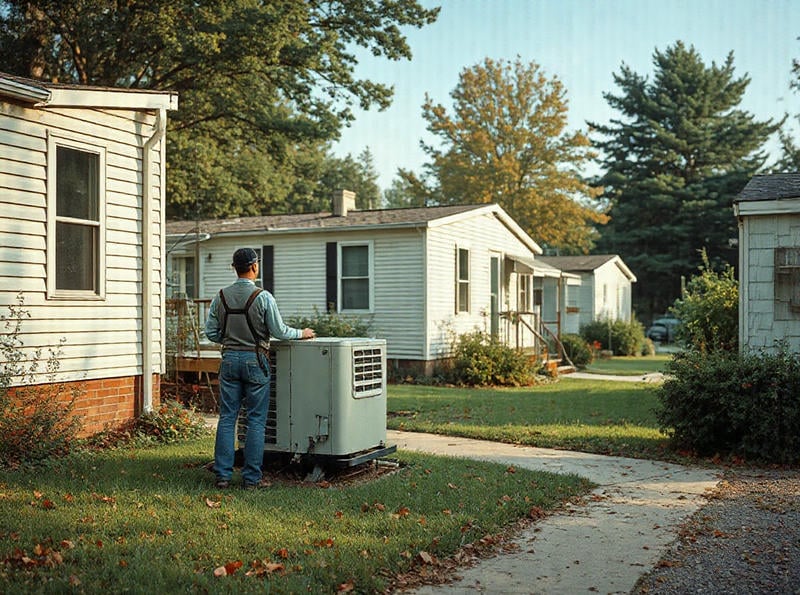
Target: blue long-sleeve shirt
[(264, 313)]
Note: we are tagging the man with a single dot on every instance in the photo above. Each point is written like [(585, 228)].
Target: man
[(242, 318)]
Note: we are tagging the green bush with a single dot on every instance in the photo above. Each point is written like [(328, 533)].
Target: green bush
[(332, 324), (481, 360), (36, 420), (709, 309), (170, 423), (619, 336), (725, 402), (578, 350)]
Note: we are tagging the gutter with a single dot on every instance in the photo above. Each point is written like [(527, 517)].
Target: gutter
[(148, 281), (39, 96)]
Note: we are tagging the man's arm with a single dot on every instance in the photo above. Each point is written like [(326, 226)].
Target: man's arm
[(274, 321), (213, 328)]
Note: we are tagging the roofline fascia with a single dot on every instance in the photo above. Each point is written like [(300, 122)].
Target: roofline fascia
[(504, 217), (100, 98), (28, 93), (304, 230), (624, 268), (778, 206)]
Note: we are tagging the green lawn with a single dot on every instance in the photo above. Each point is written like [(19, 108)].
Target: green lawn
[(594, 416), (150, 521), (629, 365)]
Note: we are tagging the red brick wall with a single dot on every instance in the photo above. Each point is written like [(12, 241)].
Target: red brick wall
[(109, 402)]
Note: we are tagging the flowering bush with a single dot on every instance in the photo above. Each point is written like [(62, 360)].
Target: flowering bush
[(171, 422)]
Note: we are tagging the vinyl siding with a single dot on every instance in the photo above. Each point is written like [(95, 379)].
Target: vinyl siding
[(299, 275), (483, 235), (760, 325), (101, 338)]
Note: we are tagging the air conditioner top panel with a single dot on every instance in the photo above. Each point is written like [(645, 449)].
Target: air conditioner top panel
[(334, 341)]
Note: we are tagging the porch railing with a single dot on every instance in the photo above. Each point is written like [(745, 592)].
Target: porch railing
[(526, 332)]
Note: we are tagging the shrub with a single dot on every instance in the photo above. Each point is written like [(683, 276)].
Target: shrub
[(36, 421), (332, 324), (170, 423), (725, 402), (578, 350), (619, 336), (709, 309), (481, 360)]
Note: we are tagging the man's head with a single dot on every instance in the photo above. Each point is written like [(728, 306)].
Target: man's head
[(244, 259)]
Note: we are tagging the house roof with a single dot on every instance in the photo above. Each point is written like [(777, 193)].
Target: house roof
[(587, 263), (368, 219), (769, 194), (771, 187), (44, 93)]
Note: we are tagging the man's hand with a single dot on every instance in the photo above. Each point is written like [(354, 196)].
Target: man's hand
[(308, 333)]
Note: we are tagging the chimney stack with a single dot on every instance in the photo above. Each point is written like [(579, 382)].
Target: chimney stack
[(343, 201)]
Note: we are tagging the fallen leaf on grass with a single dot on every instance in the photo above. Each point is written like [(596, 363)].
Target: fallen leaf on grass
[(264, 567), (345, 587), (213, 503), (425, 557), (228, 569)]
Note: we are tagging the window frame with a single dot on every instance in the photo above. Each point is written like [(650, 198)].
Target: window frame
[(54, 141), (459, 309), (524, 292), (370, 276)]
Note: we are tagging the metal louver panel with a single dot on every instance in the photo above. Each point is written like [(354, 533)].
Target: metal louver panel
[(367, 372)]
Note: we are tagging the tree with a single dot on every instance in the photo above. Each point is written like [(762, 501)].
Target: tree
[(407, 191), (709, 309), (347, 173), (262, 83), (674, 160), (790, 158), (507, 142)]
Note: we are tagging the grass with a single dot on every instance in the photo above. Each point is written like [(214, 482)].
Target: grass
[(593, 416), (629, 365), (150, 521)]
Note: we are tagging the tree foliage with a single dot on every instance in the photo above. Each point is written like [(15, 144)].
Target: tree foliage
[(264, 84), (674, 159), (507, 142), (709, 309)]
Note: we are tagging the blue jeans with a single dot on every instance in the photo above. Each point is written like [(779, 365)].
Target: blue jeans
[(241, 381)]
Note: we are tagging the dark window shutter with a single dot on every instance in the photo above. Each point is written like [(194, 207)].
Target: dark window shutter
[(331, 277), (268, 268)]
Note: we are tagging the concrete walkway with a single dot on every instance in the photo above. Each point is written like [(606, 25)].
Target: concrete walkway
[(604, 546)]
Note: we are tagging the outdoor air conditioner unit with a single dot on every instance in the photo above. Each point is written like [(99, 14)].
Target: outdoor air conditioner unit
[(328, 400)]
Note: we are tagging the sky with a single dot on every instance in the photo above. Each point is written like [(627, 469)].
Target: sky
[(583, 43)]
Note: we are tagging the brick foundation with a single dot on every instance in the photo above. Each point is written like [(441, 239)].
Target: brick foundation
[(109, 402)]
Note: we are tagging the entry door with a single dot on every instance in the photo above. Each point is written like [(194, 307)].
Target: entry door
[(494, 293)]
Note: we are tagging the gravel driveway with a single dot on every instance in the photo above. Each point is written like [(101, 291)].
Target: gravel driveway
[(746, 539)]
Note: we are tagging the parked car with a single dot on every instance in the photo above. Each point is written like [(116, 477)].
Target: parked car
[(663, 329)]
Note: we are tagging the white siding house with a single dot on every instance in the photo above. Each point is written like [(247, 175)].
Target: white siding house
[(420, 276), (81, 210), (768, 210), (604, 291)]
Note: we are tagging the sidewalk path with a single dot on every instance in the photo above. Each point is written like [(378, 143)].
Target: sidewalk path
[(603, 546)]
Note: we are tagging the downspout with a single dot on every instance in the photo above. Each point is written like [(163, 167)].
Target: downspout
[(148, 217)]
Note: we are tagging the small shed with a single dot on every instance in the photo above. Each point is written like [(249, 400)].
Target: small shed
[(604, 291), (420, 276), (768, 211), (81, 213)]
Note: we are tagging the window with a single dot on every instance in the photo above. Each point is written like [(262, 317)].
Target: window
[(462, 280), (787, 283), (76, 219), (355, 279), (525, 288)]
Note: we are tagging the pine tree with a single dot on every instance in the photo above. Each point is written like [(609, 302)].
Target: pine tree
[(674, 160)]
